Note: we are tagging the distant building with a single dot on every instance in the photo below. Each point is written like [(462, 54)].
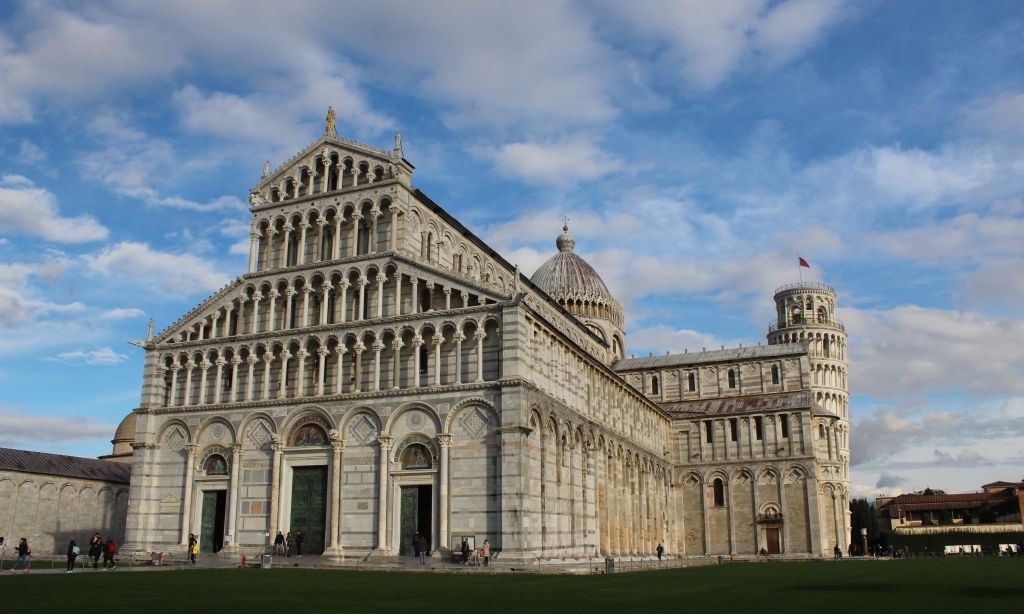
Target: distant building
[(988, 518)]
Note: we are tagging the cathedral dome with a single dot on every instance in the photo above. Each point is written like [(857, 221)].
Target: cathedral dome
[(124, 436), (575, 284)]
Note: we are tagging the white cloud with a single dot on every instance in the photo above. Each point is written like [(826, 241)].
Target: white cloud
[(30, 210), (17, 428), (561, 162), (908, 350), (663, 338), (19, 303), (122, 313), (30, 154), (707, 40), (101, 356), (999, 117), (138, 263)]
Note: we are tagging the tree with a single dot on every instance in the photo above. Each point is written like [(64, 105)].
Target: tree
[(862, 516)]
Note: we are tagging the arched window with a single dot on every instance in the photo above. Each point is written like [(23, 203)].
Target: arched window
[(719, 488), (775, 374), (424, 354), (363, 244), (416, 456), (794, 316), (429, 246), (654, 384), (310, 435), (732, 378), (215, 465), (826, 346), (692, 378), (821, 431), (293, 251), (822, 315)]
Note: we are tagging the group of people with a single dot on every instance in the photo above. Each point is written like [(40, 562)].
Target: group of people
[(286, 545), (97, 548), (471, 556)]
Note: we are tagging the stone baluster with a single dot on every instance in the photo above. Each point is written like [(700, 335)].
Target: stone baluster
[(437, 339), (300, 257), (479, 336), (381, 279), (300, 380), (173, 401), (357, 366), (254, 241), (218, 382), (251, 361), (378, 347), (282, 391), (396, 349), (322, 352), (191, 364), (306, 291), (458, 338)]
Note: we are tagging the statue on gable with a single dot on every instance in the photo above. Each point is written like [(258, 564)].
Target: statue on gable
[(266, 169), (332, 119)]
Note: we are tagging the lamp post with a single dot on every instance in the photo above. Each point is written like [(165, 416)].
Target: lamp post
[(864, 536)]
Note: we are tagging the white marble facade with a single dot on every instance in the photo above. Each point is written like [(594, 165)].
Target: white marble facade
[(376, 342)]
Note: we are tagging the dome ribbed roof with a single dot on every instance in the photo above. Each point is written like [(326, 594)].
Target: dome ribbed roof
[(126, 430), (567, 278)]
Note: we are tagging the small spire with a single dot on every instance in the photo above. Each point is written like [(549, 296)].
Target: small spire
[(398, 145), (565, 241), (149, 330)]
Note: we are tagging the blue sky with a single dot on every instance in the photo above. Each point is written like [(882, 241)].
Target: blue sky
[(697, 147)]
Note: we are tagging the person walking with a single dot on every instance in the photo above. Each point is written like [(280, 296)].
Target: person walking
[(299, 538), (422, 546), (109, 550), (661, 551), (95, 549), (24, 552), (485, 553), (73, 552), (279, 543), (465, 551)]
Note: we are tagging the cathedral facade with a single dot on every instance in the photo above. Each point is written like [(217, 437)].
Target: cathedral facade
[(380, 371)]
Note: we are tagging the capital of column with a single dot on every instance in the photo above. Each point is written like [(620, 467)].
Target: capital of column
[(235, 360), (277, 446), (358, 348), (307, 290), (378, 346), (273, 294), (302, 354), (385, 441), (344, 284), (254, 235), (437, 339), (417, 341), (206, 364), (221, 361), (285, 355), (290, 291), (237, 448), (191, 448), (338, 445), (251, 360), (444, 440), (363, 282), (322, 351), (447, 291), (459, 337), (175, 367), (397, 345), (479, 335)]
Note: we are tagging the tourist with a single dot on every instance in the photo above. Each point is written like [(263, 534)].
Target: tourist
[(465, 551), (836, 552), (188, 551), (422, 547), (485, 553), (289, 544), (73, 552), (95, 549), (299, 539), (279, 543), (109, 550), (193, 550), (23, 553), (661, 551)]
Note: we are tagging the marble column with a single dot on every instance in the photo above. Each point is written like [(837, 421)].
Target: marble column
[(282, 391), (396, 350), (275, 487), (254, 239), (334, 533), (444, 441), (218, 382), (384, 442), (479, 336), (300, 379), (186, 499), (236, 461), (322, 352), (251, 362)]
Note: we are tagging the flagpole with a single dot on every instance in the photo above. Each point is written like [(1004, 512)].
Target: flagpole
[(799, 269)]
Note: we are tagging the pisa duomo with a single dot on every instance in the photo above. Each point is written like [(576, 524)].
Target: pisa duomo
[(380, 371)]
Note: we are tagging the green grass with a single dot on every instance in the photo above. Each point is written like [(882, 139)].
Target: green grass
[(932, 585)]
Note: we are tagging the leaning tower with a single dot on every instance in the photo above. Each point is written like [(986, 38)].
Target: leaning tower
[(806, 313)]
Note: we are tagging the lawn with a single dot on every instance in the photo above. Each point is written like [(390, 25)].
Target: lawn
[(932, 585)]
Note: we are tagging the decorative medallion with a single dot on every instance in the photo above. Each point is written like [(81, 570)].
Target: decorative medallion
[(175, 439), (415, 420), (217, 432), (259, 434), (475, 422), (362, 429)]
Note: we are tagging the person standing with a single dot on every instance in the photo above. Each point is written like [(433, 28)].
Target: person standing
[(465, 551), (73, 552), (299, 538), (485, 553), (109, 550), (193, 551), (191, 546), (95, 549), (422, 546), (289, 544), (23, 553), (279, 543), (661, 551)]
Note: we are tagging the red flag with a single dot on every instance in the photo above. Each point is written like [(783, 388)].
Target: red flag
[(803, 262)]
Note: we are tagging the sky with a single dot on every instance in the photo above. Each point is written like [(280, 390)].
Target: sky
[(697, 146)]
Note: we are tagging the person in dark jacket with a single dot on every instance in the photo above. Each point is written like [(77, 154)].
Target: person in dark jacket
[(95, 549), (72, 555), (23, 553), (422, 547), (192, 548), (299, 539), (465, 550), (279, 543)]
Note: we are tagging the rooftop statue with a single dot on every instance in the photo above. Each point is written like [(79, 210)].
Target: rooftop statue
[(332, 119)]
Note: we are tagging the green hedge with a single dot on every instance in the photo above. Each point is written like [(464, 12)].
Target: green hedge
[(936, 542)]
